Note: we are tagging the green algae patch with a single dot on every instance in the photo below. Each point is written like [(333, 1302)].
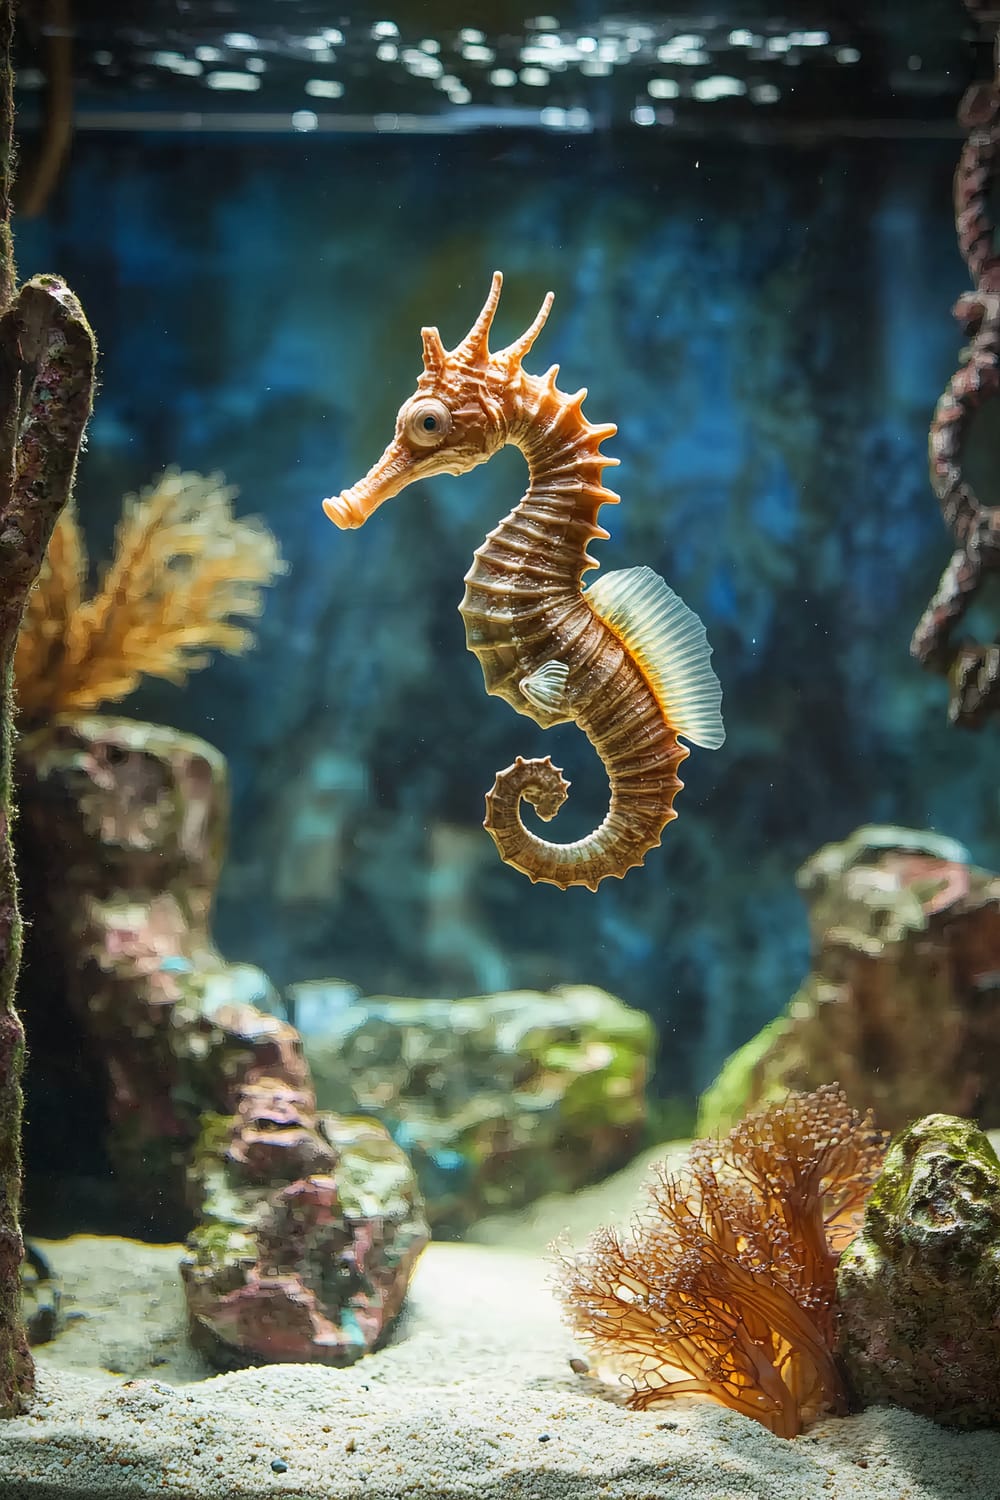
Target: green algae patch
[(725, 1101)]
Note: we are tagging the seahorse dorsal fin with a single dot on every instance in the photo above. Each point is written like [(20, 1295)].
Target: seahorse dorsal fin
[(669, 643), (545, 688)]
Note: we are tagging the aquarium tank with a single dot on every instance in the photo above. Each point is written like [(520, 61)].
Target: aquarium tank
[(499, 939)]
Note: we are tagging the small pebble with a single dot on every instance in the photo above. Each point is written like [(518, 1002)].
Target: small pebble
[(279, 1466), (543, 1437)]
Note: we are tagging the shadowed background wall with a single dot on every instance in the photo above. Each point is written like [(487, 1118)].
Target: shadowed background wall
[(770, 328)]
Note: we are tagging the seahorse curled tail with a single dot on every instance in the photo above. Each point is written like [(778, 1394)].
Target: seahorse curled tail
[(643, 780)]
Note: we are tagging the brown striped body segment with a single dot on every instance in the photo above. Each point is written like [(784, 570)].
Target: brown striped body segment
[(625, 661)]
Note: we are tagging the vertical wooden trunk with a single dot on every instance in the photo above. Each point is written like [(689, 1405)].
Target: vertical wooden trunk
[(47, 358), (16, 1367)]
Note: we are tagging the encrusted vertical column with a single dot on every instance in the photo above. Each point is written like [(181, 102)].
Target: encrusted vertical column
[(973, 669), (47, 360)]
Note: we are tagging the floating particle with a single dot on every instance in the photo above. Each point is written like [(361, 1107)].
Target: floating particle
[(247, 82), (719, 87)]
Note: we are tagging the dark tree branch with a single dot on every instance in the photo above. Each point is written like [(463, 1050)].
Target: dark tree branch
[(47, 358)]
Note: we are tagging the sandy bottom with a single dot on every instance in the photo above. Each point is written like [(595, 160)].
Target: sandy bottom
[(474, 1398)]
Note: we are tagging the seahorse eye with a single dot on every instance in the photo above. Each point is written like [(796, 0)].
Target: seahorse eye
[(427, 423)]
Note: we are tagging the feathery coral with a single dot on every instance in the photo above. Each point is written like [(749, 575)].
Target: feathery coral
[(726, 1286), (184, 569)]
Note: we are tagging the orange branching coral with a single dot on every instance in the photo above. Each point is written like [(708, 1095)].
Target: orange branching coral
[(185, 569), (725, 1287)]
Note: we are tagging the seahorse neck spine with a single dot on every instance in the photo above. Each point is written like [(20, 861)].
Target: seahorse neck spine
[(523, 602), (565, 468)]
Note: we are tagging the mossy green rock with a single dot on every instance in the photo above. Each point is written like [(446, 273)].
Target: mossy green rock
[(919, 1288), (496, 1099), (901, 1006)]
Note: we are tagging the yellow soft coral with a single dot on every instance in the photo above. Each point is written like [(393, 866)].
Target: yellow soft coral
[(185, 570)]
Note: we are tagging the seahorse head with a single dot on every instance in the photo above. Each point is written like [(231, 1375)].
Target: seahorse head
[(456, 418)]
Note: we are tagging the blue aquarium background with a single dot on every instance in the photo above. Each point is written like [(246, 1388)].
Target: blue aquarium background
[(768, 321)]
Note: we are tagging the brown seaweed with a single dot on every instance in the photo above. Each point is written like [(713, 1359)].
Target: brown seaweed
[(725, 1286)]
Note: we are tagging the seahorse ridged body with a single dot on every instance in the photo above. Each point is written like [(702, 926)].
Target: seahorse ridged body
[(624, 659)]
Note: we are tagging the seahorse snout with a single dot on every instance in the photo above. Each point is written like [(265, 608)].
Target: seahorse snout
[(342, 511), (393, 472)]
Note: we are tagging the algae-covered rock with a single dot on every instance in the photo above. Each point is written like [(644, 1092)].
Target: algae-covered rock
[(919, 1288), (902, 1002), (123, 832), (496, 1099), (310, 1228)]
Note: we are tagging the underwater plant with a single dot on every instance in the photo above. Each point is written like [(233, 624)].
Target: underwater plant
[(725, 1287), (47, 358), (624, 659), (184, 569)]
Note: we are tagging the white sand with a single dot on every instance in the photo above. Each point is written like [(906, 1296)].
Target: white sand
[(475, 1399)]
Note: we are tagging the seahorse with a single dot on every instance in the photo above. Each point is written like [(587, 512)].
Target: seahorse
[(624, 658)]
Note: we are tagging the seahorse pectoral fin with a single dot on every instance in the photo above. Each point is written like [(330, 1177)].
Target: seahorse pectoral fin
[(546, 687), (670, 646)]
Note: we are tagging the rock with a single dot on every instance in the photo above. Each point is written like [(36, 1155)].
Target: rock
[(902, 1006), (919, 1289), (123, 832), (311, 1227), (497, 1099)]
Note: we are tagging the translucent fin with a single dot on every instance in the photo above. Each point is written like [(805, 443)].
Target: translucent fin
[(669, 643), (545, 687)]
